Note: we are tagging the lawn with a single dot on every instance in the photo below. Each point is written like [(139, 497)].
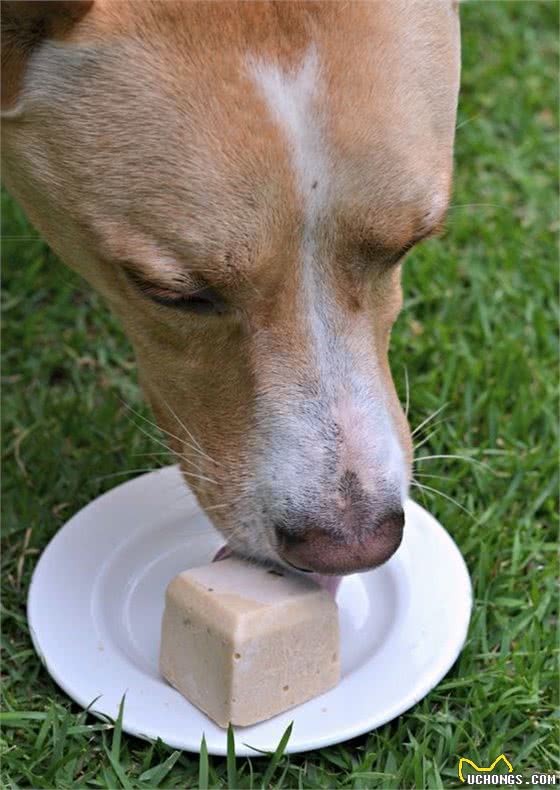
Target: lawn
[(477, 333)]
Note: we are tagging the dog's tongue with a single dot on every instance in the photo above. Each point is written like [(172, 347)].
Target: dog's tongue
[(329, 583)]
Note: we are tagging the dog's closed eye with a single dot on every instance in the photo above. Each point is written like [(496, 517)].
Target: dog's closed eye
[(385, 252), (204, 300)]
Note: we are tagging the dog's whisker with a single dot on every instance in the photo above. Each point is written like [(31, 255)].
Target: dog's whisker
[(188, 460), (152, 469), (428, 474), (422, 494), (428, 419), (170, 454), (154, 453), (424, 440), (182, 441), (454, 457), (199, 477), (126, 472), (153, 438), (179, 455), (407, 391), (440, 493), (182, 456), (145, 419), (479, 205), (191, 436), (433, 427), (222, 505), (468, 120)]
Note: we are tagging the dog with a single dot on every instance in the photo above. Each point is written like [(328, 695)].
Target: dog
[(241, 181)]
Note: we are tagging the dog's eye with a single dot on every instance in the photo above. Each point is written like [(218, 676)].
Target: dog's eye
[(205, 300), (382, 256)]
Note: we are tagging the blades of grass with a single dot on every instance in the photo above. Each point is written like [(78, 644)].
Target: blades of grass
[(148, 756), (117, 732), (156, 774), (343, 763), (88, 729), (118, 769), (213, 779), (114, 753), (277, 756), (69, 767), (437, 780), (280, 782), (70, 756), (10, 784), (108, 777), (251, 774), (390, 768), (366, 775), (90, 706), (231, 768), (15, 716), (58, 738), (203, 765), (43, 732)]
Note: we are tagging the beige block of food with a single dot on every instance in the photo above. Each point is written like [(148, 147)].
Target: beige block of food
[(243, 643)]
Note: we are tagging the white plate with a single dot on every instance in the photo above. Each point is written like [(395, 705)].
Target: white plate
[(96, 601)]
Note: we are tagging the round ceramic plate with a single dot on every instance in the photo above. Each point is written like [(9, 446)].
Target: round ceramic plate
[(96, 602)]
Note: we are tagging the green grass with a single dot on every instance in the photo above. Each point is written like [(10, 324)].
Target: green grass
[(478, 333)]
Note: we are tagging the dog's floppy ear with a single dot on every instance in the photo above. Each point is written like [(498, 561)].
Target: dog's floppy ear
[(25, 23)]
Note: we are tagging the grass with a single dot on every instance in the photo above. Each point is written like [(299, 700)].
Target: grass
[(478, 333)]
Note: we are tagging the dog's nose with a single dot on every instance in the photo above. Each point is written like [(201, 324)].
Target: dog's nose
[(317, 549)]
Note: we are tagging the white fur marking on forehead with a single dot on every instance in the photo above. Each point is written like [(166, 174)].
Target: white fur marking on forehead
[(291, 100)]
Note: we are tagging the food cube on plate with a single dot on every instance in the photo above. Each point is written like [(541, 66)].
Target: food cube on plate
[(244, 643)]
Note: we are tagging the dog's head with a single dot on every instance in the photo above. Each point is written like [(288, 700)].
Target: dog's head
[(241, 181)]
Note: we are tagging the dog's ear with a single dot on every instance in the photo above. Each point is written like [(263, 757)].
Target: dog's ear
[(25, 24)]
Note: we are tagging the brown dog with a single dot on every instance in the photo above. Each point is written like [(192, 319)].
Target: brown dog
[(241, 181)]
